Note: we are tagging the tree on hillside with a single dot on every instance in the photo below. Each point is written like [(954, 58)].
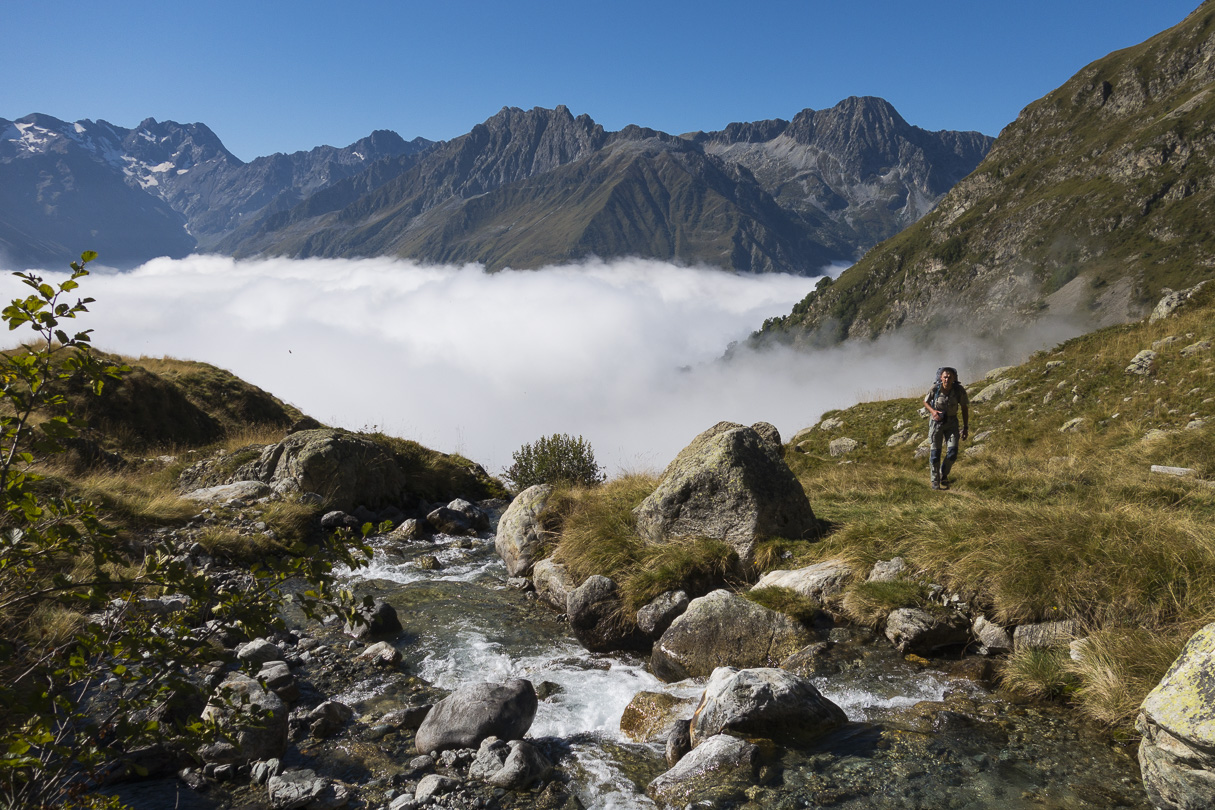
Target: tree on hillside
[(93, 662)]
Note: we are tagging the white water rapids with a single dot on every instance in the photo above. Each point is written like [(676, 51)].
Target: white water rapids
[(591, 691)]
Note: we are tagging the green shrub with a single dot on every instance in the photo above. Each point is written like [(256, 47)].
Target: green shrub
[(559, 458)]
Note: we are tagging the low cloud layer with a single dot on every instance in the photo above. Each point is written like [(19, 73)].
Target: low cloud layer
[(623, 353)]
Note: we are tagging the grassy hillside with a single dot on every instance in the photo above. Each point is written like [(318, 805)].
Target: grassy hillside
[(1048, 518), (1096, 198)]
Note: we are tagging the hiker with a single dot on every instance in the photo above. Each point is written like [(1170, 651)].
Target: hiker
[(943, 402)]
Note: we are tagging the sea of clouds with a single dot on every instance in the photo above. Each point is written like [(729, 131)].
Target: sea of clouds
[(625, 353)]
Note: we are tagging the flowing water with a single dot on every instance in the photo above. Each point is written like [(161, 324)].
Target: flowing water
[(918, 737)]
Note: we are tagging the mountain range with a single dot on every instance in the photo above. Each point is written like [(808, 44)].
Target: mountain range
[(1094, 201), (524, 189)]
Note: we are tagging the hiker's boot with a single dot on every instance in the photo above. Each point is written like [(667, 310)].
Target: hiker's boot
[(936, 484)]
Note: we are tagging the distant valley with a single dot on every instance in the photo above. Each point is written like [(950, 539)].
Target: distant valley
[(524, 189)]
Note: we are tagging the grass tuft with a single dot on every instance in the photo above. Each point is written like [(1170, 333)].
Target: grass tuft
[(869, 603), (1039, 673), (787, 601)]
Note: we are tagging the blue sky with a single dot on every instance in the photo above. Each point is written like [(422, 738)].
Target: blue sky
[(283, 76)]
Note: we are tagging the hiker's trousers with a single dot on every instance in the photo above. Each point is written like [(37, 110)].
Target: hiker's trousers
[(942, 433)]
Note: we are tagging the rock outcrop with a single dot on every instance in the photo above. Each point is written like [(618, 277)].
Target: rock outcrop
[(1177, 721), (922, 631), (477, 711), (729, 484), (345, 469), (520, 534), (726, 630)]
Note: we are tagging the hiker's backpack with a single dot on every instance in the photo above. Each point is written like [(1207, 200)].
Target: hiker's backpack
[(936, 386)]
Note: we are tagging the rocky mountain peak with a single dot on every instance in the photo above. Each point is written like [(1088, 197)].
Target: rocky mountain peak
[(1086, 208)]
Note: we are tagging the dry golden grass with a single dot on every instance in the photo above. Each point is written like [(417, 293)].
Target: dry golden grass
[(1048, 524), (598, 535), (133, 498), (51, 625)]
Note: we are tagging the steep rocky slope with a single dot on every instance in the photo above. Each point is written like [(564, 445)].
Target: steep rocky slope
[(1095, 199), (160, 189), (528, 188), (523, 189)]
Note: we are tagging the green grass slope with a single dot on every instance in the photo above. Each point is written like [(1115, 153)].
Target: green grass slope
[(1049, 518)]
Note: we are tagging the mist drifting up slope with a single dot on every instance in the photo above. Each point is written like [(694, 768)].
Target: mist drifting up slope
[(624, 353)]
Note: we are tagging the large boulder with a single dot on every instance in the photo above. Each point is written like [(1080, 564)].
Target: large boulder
[(255, 717), (344, 468), (729, 484), (649, 715), (553, 583), (598, 618), (723, 630), (520, 534), (1177, 721), (820, 582), (921, 631), (716, 773), (477, 711), (766, 703), (514, 765)]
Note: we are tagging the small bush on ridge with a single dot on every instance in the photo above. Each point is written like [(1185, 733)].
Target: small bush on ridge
[(559, 458)]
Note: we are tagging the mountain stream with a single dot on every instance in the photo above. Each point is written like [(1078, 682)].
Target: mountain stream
[(919, 738)]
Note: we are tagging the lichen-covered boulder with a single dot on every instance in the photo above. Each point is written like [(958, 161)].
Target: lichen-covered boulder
[(477, 711), (1045, 635), (729, 484), (717, 773), (598, 618), (520, 533), (344, 468), (820, 582), (723, 630), (768, 703), (254, 716), (649, 715), (553, 583), (1177, 721)]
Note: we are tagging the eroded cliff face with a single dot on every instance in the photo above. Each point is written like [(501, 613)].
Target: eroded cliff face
[(1095, 199)]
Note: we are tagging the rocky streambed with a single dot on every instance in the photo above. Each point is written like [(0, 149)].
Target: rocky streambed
[(928, 734)]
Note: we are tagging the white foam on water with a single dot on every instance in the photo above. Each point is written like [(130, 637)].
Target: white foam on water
[(590, 701), (591, 698), (603, 786), (455, 565), (860, 700)]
